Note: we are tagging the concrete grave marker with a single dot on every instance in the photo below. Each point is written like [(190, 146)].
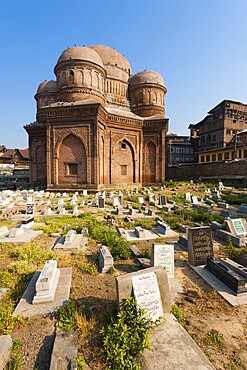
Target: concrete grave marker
[(46, 284), (141, 200), (200, 245), (147, 295), (105, 259), (194, 199), (84, 192), (163, 255), (188, 197)]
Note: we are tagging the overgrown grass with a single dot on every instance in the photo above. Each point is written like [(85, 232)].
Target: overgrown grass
[(190, 216), (236, 199)]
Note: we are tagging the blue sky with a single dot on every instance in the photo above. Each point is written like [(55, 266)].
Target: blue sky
[(198, 46)]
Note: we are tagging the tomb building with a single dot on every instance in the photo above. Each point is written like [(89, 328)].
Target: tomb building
[(98, 125)]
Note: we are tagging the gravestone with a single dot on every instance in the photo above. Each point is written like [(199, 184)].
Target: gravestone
[(15, 232), (75, 210), (163, 255), (194, 199), (141, 200), (188, 197), (162, 200), (84, 192), (46, 284), (48, 211), (30, 206), (234, 278), (140, 233), (200, 245), (4, 231), (237, 226), (151, 198), (105, 259), (116, 202), (69, 238), (147, 295), (101, 202)]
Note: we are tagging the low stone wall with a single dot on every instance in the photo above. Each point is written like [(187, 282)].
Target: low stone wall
[(232, 171)]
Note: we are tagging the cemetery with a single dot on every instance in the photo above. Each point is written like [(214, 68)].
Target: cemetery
[(165, 257)]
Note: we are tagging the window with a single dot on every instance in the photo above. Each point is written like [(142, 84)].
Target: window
[(202, 158), (226, 156), (123, 145), (72, 169), (207, 158), (202, 140), (213, 157), (240, 154), (228, 132), (123, 170), (213, 138), (220, 157), (245, 153)]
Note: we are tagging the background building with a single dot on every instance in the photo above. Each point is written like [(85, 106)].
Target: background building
[(14, 167), (220, 136), (98, 126)]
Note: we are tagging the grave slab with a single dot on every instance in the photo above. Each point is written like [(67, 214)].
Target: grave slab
[(173, 348), (222, 289), (64, 351), (23, 238), (5, 348), (25, 307)]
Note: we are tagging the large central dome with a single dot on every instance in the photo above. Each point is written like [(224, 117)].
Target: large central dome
[(112, 57), (80, 53)]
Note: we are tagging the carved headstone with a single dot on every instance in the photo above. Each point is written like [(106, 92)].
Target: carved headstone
[(200, 245), (237, 226), (163, 255), (147, 295)]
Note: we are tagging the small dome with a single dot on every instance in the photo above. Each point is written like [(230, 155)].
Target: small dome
[(112, 57), (146, 76), (47, 86), (80, 53)]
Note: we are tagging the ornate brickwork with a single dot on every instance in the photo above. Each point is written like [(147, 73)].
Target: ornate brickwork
[(90, 131)]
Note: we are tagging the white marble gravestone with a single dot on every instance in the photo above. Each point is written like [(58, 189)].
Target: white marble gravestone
[(163, 255), (147, 295), (46, 284)]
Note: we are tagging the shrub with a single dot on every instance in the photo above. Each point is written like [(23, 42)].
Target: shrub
[(66, 316), (117, 245), (125, 338)]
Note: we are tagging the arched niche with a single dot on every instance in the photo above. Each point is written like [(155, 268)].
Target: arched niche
[(71, 161)]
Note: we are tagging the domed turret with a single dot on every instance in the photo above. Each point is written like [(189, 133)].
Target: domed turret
[(46, 93), (80, 75), (147, 91), (118, 71)]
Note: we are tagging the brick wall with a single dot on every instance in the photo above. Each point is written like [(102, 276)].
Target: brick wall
[(236, 170)]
